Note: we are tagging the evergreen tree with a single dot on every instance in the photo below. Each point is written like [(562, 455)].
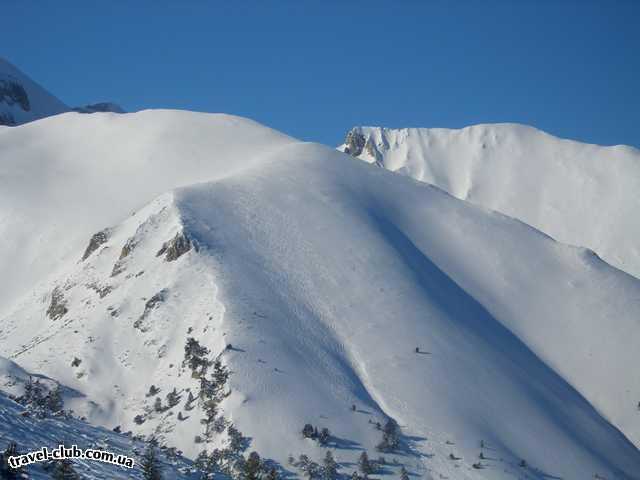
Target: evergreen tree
[(54, 399), (272, 474), (404, 475), (157, 406), (252, 467), (150, 464), (173, 398), (324, 436), (364, 464), (63, 470), (329, 467), (307, 431), (6, 472)]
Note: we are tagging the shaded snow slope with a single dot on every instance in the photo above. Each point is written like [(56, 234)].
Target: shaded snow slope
[(32, 434), (22, 100), (323, 275), (579, 194)]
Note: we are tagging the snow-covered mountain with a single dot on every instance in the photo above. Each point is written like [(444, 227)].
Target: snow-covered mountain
[(322, 284), (580, 194), (22, 100)]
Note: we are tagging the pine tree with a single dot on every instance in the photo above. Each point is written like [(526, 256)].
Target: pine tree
[(324, 436), (404, 475), (173, 398), (364, 464), (252, 467), (54, 399), (272, 474), (150, 464), (307, 431), (329, 467), (63, 470), (6, 472)]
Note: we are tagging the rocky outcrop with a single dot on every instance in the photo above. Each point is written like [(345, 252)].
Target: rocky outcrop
[(13, 93), (175, 248), (100, 107), (354, 143), (124, 253), (58, 305), (153, 303), (96, 241)]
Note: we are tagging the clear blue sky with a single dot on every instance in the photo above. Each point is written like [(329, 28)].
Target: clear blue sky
[(315, 68)]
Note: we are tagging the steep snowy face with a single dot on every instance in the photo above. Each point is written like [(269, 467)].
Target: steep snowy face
[(579, 194), (67, 177), (22, 100), (313, 278)]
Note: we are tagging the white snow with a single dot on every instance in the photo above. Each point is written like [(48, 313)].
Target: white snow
[(580, 194), (324, 273)]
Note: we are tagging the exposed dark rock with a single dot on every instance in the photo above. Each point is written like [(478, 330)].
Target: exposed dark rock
[(12, 92), (97, 239), (176, 247), (354, 143), (102, 291), (100, 107), (151, 304), (127, 249), (58, 306), (124, 253)]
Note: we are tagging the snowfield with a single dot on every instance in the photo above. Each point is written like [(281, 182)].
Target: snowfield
[(313, 277), (580, 194)]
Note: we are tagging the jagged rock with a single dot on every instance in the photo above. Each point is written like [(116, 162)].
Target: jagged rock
[(151, 304), (354, 143), (12, 93), (127, 249), (100, 107), (96, 240), (102, 291), (124, 253), (58, 306), (176, 247)]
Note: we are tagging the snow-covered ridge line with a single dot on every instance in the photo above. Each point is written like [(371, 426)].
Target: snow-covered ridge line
[(578, 193)]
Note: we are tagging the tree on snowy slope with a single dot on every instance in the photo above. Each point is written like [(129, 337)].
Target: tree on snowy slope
[(329, 467), (150, 464), (6, 472), (63, 470)]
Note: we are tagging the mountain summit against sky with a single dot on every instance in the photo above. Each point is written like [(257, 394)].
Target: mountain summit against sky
[(217, 284), (22, 100), (581, 194), (313, 277)]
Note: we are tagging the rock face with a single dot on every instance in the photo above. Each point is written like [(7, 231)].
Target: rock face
[(175, 248), (22, 100), (58, 306), (13, 93), (96, 241), (100, 107), (153, 303), (124, 253)]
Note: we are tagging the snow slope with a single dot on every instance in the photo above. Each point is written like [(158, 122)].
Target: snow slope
[(32, 434), (22, 100), (579, 194), (323, 274)]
